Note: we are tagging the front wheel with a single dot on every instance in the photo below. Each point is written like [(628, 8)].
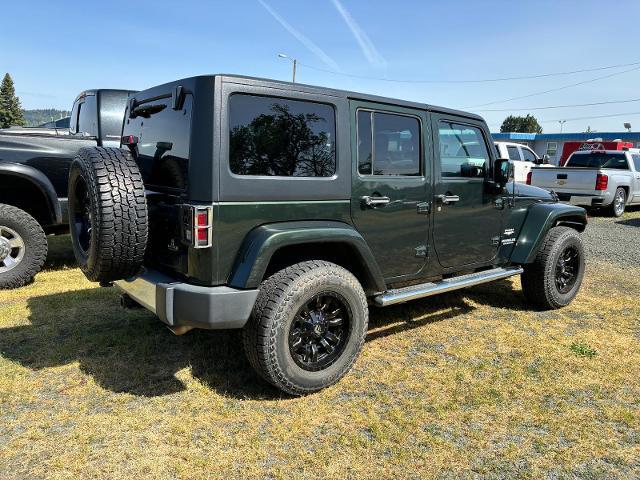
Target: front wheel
[(554, 278), (23, 247), (307, 327)]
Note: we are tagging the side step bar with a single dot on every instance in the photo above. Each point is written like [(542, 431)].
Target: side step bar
[(413, 292)]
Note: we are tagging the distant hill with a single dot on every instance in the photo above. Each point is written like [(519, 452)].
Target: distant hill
[(39, 116)]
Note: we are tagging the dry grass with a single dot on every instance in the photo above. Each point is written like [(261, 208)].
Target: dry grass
[(469, 384)]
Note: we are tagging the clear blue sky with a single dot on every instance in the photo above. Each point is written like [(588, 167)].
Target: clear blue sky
[(55, 49)]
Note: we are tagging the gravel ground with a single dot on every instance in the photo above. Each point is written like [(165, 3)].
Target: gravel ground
[(615, 240)]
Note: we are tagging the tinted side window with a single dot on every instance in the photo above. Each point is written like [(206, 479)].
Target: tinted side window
[(281, 137), (87, 117), (528, 155), (365, 148), (463, 151), (388, 144), (513, 153), (74, 117), (636, 162)]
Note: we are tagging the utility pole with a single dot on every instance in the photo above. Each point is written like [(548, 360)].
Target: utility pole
[(293, 61)]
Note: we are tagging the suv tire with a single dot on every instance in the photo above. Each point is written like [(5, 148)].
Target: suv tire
[(619, 202), (314, 306), (23, 247), (107, 213), (554, 278)]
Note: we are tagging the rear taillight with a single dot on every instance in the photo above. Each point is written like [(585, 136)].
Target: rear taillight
[(529, 178), (602, 181), (197, 225)]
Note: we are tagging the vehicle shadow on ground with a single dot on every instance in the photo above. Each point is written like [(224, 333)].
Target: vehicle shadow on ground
[(132, 352), (60, 253), (630, 222)]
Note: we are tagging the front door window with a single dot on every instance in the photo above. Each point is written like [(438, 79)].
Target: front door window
[(466, 219)]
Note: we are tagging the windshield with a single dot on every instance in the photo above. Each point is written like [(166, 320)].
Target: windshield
[(599, 160)]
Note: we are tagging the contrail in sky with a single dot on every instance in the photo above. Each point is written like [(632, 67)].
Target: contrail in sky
[(311, 46), (366, 45)]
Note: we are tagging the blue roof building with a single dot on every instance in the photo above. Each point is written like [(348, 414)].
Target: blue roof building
[(552, 143)]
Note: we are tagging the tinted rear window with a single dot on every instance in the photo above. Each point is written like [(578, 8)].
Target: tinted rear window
[(281, 137), (163, 146), (599, 160)]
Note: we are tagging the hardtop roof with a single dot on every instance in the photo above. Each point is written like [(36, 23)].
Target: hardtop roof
[(301, 87)]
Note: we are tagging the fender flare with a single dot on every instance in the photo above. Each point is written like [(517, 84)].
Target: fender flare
[(540, 218), (40, 181), (262, 242)]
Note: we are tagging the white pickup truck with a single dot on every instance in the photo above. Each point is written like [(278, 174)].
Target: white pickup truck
[(522, 158), (599, 178)]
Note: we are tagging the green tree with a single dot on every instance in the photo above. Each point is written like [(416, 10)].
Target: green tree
[(10, 108), (520, 124)]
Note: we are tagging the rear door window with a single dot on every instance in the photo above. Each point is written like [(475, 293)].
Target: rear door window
[(388, 144), (636, 162), (463, 151), (280, 137), (513, 153)]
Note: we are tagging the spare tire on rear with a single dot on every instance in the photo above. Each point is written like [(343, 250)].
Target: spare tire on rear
[(107, 213)]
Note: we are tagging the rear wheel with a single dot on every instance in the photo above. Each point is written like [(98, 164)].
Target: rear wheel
[(307, 327), (554, 278), (619, 202), (23, 247)]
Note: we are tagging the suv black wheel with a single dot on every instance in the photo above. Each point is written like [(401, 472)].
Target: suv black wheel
[(554, 278), (307, 327), (619, 202), (107, 213), (23, 247)]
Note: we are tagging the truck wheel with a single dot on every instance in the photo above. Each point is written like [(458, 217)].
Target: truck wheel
[(307, 327), (107, 213), (23, 247), (554, 278), (617, 207)]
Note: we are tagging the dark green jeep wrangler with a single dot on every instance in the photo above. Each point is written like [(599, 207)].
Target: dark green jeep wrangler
[(287, 210)]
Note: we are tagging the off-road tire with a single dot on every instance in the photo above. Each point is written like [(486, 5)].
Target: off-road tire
[(266, 334), (117, 209), (539, 281), (615, 210), (35, 246)]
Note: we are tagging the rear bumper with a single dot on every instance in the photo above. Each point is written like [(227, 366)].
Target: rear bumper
[(182, 304), (599, 199)]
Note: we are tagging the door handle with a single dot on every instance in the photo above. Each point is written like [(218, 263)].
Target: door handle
[(447, 199), (373, 202)]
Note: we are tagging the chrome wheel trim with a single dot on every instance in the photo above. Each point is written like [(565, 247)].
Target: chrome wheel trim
[(618, 204), (12, 249)]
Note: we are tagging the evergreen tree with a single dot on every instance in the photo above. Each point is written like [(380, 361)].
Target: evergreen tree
[(10, 108)]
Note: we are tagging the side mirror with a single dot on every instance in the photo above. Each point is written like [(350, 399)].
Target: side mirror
[(502, 172), (545, 159)]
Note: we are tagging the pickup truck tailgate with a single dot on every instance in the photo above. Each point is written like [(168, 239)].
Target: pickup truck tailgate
[(564, 179)]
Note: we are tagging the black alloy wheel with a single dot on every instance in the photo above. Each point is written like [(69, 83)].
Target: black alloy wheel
[(82, 217), (567, 268), (319, 332)]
